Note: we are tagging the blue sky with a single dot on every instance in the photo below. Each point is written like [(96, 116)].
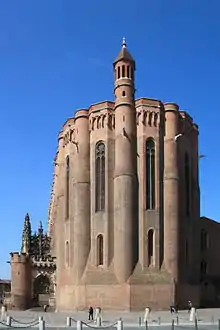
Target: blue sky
[(56, 57)]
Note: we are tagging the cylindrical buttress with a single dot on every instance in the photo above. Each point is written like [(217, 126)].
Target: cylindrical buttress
[(81, 194), (125, 175), (171, 192)]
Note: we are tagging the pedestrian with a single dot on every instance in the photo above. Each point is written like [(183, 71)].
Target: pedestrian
[(90, 313), (45, 308), (172, 309), (189, 306)]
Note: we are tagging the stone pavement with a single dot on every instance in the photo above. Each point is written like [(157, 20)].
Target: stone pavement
[(207, 319)]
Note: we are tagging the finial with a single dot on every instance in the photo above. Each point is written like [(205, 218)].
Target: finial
[(124, 43)]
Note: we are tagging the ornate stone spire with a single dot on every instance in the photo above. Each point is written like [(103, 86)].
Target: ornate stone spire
[(26, 235), (40, 238)]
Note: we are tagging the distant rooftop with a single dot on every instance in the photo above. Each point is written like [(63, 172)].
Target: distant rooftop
[(3, 281)]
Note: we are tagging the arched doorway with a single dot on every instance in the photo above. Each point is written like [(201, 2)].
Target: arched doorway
[(41, 289)]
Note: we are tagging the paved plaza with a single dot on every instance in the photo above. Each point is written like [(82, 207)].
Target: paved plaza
[(208, 319)]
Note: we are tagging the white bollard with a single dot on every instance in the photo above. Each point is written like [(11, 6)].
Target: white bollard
[(8, 321), (192, 314), (41, 325), (99, 321), (97, 313), (79, 325), (120, 325), (3, 313), (147, 313), (68, 321)]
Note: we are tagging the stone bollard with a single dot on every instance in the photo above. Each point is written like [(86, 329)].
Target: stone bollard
[(3, 313), (99, 321), (159, 320), (172, 324), (192, 314), (218, 324), (97, 313), (120, 325), (41, 324), (68, 321), (79, 325), (147, 313), (8, 321)]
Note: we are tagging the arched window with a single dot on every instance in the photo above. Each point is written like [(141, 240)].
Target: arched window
[(186, 252), (150, 174), (128, 71), (119, 72), (187, 183), (67, 254), (150, 246), (123, 71), (67, 185), (204, 240), (100, 176), (99, 250), (203, 267)]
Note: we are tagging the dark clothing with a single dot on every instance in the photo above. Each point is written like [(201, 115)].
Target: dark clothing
[(90, 313), (172, 309), (45, 308), (189, 306)]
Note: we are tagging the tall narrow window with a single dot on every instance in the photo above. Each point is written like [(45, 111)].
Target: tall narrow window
[(99, 250), (150, 246), (67, 252), (204, 240), (186, 252), (119, 72), (150, 175), (100, 177), (128, 71), (123, 71), (203, 268), (67, 185), (187, 183)]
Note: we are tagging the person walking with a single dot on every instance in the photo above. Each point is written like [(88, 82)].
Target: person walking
[(90, 313)]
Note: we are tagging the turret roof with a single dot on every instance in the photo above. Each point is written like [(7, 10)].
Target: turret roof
[(124, 54)]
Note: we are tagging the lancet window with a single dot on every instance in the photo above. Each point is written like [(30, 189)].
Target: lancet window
[(67, 253), (150, 246), (150, 174), (99, 250), (67, 185), (100, 176)]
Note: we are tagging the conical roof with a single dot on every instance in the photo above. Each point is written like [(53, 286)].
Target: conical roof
[(124, 54)]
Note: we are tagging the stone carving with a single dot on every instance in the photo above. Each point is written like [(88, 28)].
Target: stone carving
[(38, 244)]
